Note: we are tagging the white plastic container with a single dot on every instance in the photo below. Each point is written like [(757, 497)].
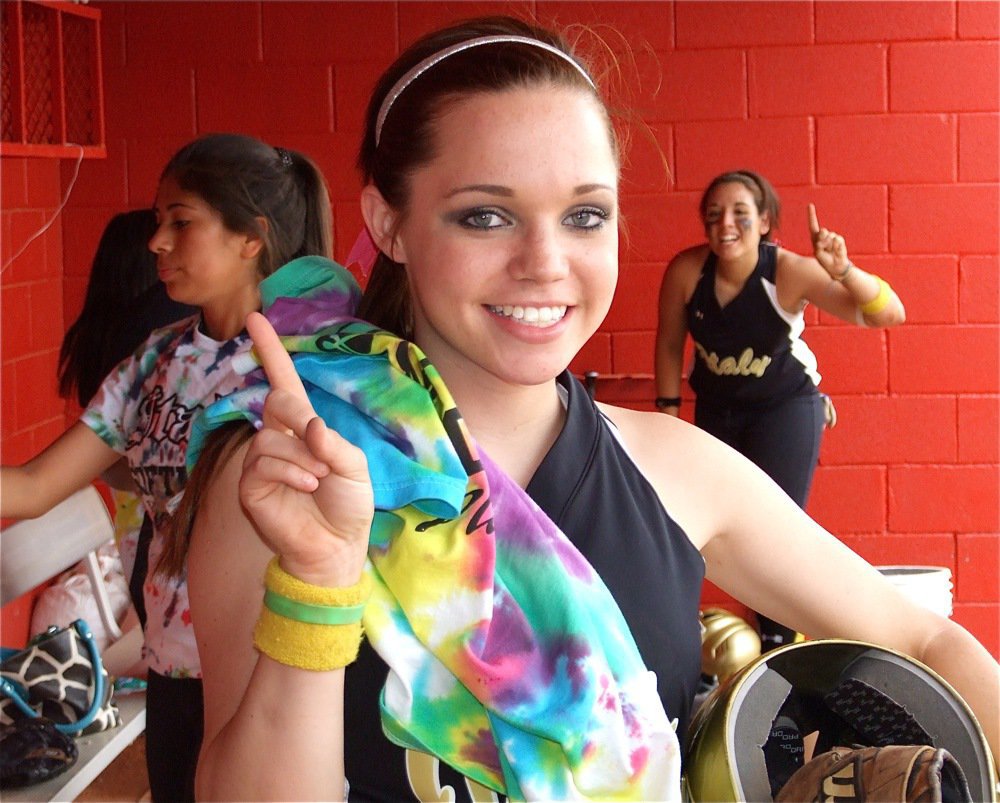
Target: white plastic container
[(927, 586)]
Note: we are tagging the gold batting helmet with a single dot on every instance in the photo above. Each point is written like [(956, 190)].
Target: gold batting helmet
[(751, 732)]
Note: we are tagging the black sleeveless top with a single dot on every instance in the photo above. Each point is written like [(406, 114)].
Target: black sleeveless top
[(748, 353), (596, 495)]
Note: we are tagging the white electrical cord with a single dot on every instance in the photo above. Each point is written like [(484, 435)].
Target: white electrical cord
[(48, 224)]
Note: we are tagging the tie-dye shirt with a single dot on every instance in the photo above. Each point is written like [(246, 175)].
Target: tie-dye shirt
[(144, 411)]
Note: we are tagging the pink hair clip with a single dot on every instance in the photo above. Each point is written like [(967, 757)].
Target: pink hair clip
[(363, 253)]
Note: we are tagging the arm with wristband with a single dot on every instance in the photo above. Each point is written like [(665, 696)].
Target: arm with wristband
[(289, 515), (848, 291)]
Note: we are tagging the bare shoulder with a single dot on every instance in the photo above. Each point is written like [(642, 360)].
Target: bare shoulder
[(689, 261), (658, 435), (790, 260), (682, 272), (683, 464), (797, 277), (696, 254), (793, 267), (222, 534)]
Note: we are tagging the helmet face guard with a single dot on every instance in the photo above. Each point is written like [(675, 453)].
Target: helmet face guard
[(754, 730)]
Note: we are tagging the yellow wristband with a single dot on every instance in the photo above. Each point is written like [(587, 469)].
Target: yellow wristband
[(286, 585), (316, 647), (881, 301), (319, 647)]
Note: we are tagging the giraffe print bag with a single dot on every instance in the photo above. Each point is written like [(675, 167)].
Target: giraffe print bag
[(59, 676)]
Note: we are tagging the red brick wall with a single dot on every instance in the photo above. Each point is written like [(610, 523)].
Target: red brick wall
[(31, 326), (885, 115)]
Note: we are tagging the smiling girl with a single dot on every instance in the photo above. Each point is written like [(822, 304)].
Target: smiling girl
[(230, 210), (526, 565), (741, 297)]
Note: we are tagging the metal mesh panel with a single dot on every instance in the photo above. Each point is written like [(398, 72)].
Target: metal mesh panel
[(10, 74), (41, 107), (80, 71), (51, 75)]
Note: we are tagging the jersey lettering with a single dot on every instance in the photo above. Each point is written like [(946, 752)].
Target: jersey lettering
[(423, 773), (744, 365)]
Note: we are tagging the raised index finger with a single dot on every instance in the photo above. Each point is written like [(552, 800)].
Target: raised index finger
[(277, 362), (813, 221)]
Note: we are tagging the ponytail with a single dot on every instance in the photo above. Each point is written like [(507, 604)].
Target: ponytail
[(245, 180), (317, 235), (386, 301)]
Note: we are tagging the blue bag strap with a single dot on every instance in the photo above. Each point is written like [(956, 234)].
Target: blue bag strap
[(83, 629), (18, 694)]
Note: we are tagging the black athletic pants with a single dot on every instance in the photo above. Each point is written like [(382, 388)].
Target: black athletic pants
[(174, 709), (783, 439)]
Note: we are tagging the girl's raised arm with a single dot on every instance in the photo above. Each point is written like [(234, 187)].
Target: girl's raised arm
[(835, 284), (300, 491)]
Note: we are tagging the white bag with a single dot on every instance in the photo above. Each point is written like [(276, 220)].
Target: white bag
[(71, 597)]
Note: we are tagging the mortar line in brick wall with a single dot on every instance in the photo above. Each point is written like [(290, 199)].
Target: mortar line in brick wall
[(125, 167), (956, 167), (194, 100), (123, 34), (331, 98), (746, 81), (956, 424), (396, 21), (883, 474), (887, 78), (814, 150), (260, 32), (888, 218), (888, 364)]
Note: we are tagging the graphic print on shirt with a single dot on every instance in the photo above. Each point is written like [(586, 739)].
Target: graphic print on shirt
[(145, 410), (167, 420), (749, 351), (423, 773), (744, 365)]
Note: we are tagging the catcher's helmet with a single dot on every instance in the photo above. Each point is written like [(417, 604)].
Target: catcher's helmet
[(748, 737)]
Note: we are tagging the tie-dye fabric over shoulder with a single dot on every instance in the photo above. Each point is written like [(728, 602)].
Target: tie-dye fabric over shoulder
[(508, 657)]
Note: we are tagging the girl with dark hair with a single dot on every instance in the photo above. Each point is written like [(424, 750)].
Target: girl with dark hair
[(742, 298), (124, 302), (229, 211), (525, 564)]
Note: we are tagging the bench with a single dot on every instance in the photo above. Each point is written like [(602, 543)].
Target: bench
[(35, 550)]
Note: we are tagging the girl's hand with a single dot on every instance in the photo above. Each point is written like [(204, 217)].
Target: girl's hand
[(829, 247), (307, 489)]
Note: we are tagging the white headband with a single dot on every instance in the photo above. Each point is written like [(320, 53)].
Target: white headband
[(415, 72)]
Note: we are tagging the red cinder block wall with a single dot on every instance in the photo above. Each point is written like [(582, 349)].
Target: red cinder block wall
[(31, 326), (885, 115)]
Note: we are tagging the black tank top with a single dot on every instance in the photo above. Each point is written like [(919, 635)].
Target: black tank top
[(593, 491), (748, 353)]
